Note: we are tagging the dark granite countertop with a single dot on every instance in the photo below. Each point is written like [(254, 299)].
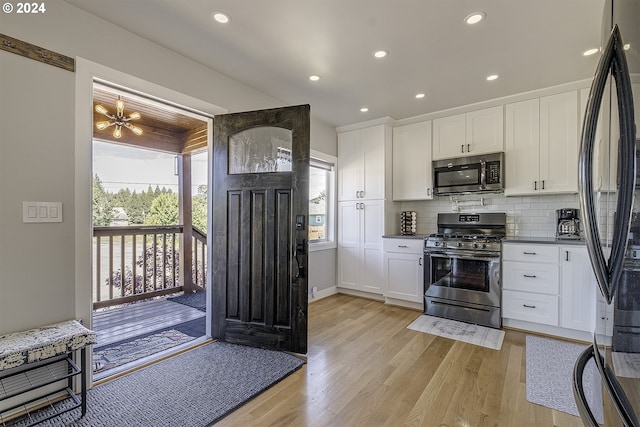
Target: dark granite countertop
[(544, 240), (409, 236)]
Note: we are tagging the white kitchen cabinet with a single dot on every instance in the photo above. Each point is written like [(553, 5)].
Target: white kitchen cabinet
[(541, 147), (473, 133), (404, 269), (531, 283), (578, 289), (412, 170), (363, 155), (360, 252)]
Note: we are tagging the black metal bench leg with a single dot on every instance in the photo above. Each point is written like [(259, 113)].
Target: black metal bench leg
[(83, 379)]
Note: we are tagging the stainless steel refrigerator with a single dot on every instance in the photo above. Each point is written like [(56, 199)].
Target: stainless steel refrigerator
[(611, 217)]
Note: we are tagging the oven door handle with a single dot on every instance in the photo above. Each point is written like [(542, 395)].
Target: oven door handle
[(457, 255)]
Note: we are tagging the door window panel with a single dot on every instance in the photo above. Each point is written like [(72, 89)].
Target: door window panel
[(260, 150)]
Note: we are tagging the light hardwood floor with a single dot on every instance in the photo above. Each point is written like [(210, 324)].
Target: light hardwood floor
[(365, 368)]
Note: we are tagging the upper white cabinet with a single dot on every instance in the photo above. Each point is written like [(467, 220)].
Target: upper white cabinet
[(412, 171), (476, 132), (362, 157), (541, 148)]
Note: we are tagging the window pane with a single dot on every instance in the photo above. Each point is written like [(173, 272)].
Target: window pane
[(260, 149), (318, 183)]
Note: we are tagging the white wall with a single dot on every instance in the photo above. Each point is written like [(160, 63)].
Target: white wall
[(37, 261)]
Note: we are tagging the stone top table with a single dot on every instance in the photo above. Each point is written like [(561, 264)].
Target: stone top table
[(19, 348)]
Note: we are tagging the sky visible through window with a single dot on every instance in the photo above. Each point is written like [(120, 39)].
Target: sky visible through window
[(120, 167)]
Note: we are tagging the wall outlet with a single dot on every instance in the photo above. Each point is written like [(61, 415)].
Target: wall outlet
[(314, 291)]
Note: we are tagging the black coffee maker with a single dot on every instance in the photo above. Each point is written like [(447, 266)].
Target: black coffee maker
[(568, 224)]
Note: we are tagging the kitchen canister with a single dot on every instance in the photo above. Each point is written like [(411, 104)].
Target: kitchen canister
[(408, 223)]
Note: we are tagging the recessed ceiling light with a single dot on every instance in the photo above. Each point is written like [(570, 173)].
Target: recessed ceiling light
[(380, 53), (474, 18), (492, 77), (590, 52), (420, 95), (626, 46), (314, 78), (364, 109), (221, 17)]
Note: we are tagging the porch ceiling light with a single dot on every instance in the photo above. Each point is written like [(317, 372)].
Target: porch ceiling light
[(118, 119)]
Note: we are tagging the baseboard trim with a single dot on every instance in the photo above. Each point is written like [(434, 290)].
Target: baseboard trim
[(323, 293)]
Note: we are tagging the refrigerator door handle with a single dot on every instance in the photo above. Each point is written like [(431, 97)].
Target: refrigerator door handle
[(613, 387), (586, 414), (608, 273)]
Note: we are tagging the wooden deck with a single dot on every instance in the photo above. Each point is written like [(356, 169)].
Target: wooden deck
[(126, 322)]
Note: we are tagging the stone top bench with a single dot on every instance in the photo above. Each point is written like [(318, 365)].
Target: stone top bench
[(19, 348)]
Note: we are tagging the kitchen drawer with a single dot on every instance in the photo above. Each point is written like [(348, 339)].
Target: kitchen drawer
[(530, 307), (530, 253), (531, 277), (409, 246)]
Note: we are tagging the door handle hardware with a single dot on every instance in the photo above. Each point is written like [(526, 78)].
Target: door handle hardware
[(530, 276), (543, 184), (403, 246), (468, 148), (299, 249), (535, 185), (529, 253), (420, 261), (462, 148), (528, 306), (567, 253)]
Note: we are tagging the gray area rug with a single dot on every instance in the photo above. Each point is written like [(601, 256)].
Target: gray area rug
[(192, 389), (459, 331), (550, 374)]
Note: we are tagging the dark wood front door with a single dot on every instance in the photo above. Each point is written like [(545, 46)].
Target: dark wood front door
[(260, 209)]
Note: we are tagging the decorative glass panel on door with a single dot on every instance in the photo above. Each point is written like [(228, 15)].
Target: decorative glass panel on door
[(260, 150)]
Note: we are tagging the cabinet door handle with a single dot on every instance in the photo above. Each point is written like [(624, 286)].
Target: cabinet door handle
[(535, 185), (528, 306), (529, 253), (530, 276), (420, 261), (468, 148), (403, 246), (362, 194), (543, 184), (462, 148), (567, 254)]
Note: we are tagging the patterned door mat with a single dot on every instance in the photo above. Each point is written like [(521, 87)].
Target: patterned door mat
[(550, 376), (459, 331), (119, 354)]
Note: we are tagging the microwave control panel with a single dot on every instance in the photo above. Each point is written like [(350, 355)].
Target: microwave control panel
[(493, 172)]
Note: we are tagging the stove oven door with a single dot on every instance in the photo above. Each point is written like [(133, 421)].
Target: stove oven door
[(462, 282)]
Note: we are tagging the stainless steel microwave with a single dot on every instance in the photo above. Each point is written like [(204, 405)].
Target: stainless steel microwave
[(469, 174)]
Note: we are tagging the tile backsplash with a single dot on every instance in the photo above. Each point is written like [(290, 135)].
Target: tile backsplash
[(527, 216)]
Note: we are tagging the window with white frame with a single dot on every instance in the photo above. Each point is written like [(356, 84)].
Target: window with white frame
[(321, 191)]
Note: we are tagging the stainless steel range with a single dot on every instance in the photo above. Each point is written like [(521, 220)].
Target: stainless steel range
[(462, 268)]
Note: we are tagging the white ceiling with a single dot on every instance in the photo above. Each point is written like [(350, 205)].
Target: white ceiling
[(274, 45)]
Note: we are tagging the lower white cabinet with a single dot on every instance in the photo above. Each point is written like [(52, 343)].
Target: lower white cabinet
[(549, 284), (578, 296), (530, 283), (404, 269), (360, 260)]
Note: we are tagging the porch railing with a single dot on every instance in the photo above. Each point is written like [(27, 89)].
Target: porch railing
[(139, 262)]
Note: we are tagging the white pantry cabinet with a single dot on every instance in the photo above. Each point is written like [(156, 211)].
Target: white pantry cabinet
[(412, 169), (473, 133), (363, 155), (541, 147), (404, 269), (360, 252)]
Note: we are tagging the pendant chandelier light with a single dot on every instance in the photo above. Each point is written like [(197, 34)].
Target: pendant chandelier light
[(118, 120)]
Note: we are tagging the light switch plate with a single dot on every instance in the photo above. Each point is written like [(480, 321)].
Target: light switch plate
[(41, 212)]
